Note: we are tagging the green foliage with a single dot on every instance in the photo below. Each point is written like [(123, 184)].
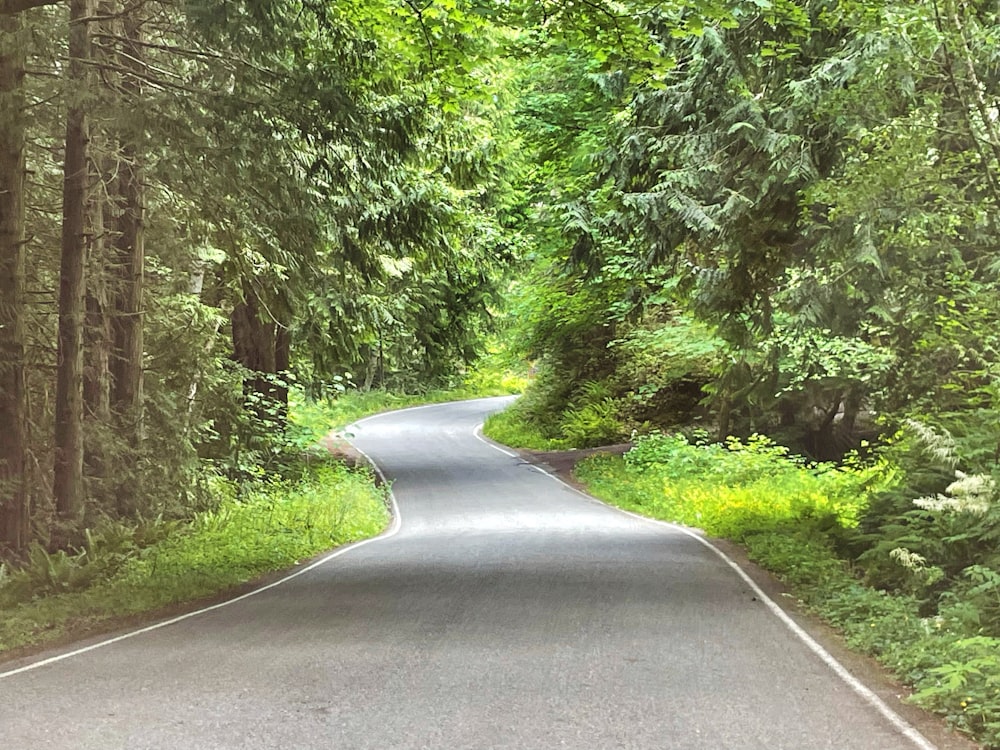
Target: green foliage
[(965, 687), (498, 371), (487, 381), (953, 674), (770, 218), (936, 536), (325, 190), (105, 551), (46, 574), (533, 420), (592, 417), (508, 427), (127, 570), (271, 527), (794, 215), (734, 489), (593, 424), (664, 364)]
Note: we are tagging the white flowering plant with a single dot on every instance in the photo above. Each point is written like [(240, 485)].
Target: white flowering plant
[(969, 493), (942, 547)]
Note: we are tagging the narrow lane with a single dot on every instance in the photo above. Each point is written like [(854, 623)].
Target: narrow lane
[(506, 612)]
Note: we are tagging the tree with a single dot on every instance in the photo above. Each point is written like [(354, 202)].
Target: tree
[(69, 444), (275, 185), (129, 259), (817, 185), (14, 532)]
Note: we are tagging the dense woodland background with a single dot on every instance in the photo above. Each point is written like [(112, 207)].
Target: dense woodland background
[(206, 203), (796, 219)]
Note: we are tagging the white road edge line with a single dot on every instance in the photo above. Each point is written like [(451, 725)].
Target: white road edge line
[(393, 529), (897, 721)]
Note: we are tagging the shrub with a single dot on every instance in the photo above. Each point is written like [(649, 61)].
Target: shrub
[(737, 488), (937, 537)]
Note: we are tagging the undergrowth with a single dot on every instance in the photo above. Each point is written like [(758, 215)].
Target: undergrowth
[(591, 417), (509, 428), (119, 574)]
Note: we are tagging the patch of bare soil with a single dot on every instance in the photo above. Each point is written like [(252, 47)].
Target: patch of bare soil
[(339, 447), (562, 463)]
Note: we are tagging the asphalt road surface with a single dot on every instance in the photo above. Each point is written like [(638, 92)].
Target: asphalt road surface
[(503, 610)]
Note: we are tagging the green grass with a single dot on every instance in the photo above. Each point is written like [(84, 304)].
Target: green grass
[(127, 569), (730, 490), (509, 428), (794, 518), (270, 528)]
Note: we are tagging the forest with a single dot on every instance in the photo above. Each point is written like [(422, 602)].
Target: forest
[(755, 238)]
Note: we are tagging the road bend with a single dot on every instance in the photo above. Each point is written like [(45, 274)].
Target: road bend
[(504, 611)]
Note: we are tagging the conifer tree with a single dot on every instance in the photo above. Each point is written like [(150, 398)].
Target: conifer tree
[(76, 241), (13, 492)]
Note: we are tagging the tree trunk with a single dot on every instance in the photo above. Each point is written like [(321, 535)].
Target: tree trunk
[(263, 348), (282, 362), (253, 342), (97, 354), (97, 330), (14, 517), (371, 368), (253, 347), (127, 322), (68, 468), (196, 282)]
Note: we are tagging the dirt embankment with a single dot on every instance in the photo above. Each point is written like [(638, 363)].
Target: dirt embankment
[(562, 463)]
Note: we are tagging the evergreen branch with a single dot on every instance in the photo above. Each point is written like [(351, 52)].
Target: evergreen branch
[(164, 47), (142, 77), (12, 7), (172, 48)]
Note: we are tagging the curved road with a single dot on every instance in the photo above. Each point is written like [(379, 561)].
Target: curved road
[(504, 611)]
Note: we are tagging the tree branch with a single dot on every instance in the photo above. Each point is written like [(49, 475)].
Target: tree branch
[(10, 7)]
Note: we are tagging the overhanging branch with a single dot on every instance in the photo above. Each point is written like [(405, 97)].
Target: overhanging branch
[(10, 7)]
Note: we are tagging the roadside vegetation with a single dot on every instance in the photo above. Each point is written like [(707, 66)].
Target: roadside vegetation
[(305, 502), (123, 569)]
